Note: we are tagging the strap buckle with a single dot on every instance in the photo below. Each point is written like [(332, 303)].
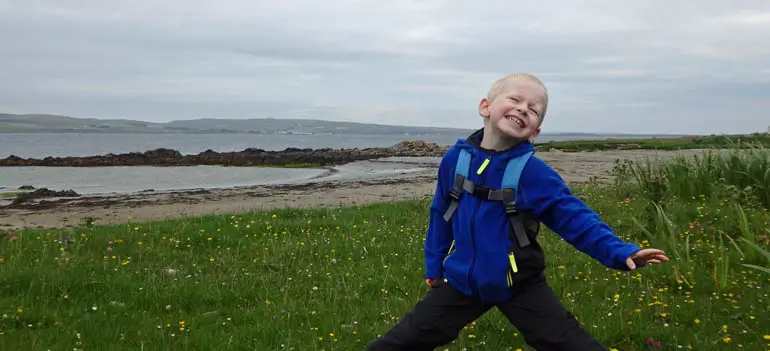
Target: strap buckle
[(509, 201), (457, 188)]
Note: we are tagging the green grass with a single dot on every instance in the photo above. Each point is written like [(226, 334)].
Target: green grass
[(335, 278), (10, 194), (680, 143)]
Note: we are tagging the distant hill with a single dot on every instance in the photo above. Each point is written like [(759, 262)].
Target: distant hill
[(43, 123), (40, 123)]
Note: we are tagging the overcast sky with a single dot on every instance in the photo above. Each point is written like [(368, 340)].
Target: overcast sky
[(611, 66)]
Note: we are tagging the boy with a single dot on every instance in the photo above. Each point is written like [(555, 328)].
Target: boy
[(481, 249)]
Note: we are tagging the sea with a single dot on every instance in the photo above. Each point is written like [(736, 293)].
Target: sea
[(134, 179)]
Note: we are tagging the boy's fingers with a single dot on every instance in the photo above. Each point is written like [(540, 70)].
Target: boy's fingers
[(640, 253), (651, 252)]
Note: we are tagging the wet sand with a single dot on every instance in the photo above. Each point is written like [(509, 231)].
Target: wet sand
[(333, 190)]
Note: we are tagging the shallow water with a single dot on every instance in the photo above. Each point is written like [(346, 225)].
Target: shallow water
[(133, 179), (96, 180)]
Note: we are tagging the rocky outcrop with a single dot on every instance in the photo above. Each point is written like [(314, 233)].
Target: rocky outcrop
[(247, 157), (42, 193)]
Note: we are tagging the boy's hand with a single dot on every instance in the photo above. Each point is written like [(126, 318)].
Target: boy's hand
[(645, 256)]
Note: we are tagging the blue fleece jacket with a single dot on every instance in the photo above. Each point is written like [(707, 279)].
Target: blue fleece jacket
[(479, 234)]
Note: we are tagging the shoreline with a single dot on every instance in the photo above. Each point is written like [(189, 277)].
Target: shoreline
[(110, 209), (158, 205)]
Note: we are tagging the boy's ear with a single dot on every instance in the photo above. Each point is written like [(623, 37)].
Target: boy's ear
[(484, 108), (534, 135)]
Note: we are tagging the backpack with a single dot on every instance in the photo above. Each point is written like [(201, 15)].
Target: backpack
[(507, 195)]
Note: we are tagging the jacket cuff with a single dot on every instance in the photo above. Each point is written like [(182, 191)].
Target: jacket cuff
[(624, 254), (434, 272)]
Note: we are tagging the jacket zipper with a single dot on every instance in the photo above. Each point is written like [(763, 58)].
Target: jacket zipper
[(471, 281), (471, 273), (449, 252)]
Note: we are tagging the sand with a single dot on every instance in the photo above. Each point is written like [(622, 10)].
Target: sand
[(420, 183)]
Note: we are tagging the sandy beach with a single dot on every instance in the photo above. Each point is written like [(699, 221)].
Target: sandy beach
[(331, 190)]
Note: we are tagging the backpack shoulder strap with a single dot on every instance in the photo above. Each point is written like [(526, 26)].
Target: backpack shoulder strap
[(510, 189), (463, 163), (513, 172), (460, 182)]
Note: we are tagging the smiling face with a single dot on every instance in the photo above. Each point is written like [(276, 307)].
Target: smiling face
[(514, 109)]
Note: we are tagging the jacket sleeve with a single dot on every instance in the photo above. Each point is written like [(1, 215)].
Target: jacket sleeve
[(439, 235), (543, 191)]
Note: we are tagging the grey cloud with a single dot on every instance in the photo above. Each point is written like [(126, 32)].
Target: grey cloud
[(645, 66)]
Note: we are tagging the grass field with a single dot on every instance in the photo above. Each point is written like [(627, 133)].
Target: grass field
[(333, 279)]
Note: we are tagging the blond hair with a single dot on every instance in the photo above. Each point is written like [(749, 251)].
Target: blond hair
[(501, 84)]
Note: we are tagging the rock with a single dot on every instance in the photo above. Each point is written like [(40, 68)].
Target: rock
[(42, 193), (247, 157), (421, 147), (26, 187)]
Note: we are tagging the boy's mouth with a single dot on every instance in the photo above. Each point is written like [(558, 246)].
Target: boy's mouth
[(517, 120)]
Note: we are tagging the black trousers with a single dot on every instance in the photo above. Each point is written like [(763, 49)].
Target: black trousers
[(535, 311)]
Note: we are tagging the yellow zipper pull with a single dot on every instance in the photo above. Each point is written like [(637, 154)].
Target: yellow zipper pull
[(483, 166), (513, 262)]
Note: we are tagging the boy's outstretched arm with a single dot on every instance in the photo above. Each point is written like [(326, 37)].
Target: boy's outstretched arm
[(544, 192), (439, 235)]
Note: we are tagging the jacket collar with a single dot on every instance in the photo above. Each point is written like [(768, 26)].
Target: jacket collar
[(473, 143)]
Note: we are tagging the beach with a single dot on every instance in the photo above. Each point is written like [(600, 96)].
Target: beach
[(409, 178)]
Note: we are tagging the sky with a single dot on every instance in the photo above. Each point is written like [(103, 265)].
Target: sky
[(644, 66)]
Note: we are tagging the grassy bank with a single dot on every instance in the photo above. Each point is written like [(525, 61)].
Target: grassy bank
[(332, 279), (696, 142)]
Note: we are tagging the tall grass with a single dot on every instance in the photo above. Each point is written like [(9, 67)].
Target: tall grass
[(732, 173)]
